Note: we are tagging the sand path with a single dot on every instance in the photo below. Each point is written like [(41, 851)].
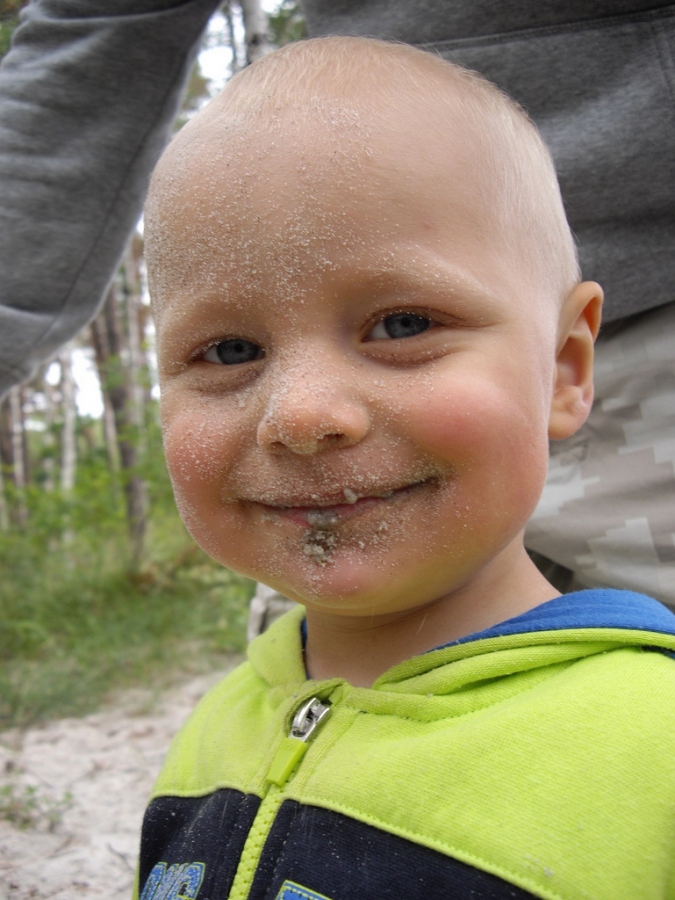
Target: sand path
[(107, 763)]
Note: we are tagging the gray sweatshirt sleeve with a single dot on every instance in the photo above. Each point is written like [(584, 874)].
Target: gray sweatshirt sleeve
[(87, 96)]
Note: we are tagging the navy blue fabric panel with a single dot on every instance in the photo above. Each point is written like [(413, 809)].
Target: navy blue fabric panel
[(333, 856), (190, 846), (600, 608)]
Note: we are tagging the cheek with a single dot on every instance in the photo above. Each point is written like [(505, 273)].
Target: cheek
[(199, 451), (495, 438), (199, 447), (190, 459)]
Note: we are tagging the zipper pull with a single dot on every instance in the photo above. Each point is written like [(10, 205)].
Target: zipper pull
[(294, 746)]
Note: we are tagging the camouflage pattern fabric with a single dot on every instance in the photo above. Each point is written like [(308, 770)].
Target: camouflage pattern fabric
[(607, 515)]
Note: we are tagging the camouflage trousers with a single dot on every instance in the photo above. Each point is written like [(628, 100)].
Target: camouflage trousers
[(607, 514)]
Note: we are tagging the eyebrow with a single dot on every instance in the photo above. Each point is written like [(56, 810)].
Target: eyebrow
[(430, 273), (440, 274)]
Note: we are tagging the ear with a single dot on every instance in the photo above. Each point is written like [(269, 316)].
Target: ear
[(573, 387)]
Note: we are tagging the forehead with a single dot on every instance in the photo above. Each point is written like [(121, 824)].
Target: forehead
[(284, 189), (337, 136)]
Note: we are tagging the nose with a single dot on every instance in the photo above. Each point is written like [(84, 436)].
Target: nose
[(305, 415)]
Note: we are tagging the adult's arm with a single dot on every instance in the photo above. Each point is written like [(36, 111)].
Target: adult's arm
[(87, 96)]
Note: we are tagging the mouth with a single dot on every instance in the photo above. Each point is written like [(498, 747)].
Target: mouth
[(326, 511)]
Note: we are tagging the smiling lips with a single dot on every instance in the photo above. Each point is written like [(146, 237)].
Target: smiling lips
[(323, 512)]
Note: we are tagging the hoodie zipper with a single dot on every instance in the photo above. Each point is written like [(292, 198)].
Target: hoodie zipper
[(293, 747), (289, 753)]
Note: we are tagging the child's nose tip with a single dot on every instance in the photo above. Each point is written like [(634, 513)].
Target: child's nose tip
[(314, 428), (312, 445)]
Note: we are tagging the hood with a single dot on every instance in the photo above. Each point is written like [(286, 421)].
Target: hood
[(569, 627)]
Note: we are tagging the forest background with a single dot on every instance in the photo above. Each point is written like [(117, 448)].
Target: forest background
[(101, 588)]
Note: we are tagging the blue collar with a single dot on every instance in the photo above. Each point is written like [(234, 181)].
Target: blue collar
[(599, 608)]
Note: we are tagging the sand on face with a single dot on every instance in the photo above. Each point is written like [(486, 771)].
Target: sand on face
[(107, 763)]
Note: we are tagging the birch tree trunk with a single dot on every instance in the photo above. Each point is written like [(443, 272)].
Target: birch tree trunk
[(6, 454), (19, 452), (6, 458), (116, 385), (226, 10), (69, 412), (256, 30), (137, 368), (99, 340), (4, 508), (49, 441)]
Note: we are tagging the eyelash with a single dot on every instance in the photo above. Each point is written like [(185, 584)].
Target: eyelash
[(236, 346), (412, 315), (240, 346)]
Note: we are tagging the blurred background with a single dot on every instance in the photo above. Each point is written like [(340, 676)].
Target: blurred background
[(101, 588)]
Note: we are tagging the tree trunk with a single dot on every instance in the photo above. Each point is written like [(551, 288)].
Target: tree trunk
[(99, 342), (137, 369), (68, 435), (116, 385), (256, 30), (226, 10), (4, 508), (6, 459), (49, 441), (6, 454), (19, 452)]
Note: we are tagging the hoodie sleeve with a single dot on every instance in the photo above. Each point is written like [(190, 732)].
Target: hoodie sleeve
[(87, 96)]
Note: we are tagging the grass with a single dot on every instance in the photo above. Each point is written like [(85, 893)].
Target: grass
[(76, 625)]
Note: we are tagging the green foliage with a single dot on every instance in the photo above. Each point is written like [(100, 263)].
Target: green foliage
[(287, 23), (72, 633), (77, 621)]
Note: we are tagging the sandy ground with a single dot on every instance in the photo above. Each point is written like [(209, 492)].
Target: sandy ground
[(104, 766)]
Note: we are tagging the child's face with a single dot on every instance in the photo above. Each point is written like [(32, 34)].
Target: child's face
[(356, 373)]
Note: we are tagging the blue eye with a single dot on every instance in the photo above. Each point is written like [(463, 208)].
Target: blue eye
[(234, 352), (400, 325)]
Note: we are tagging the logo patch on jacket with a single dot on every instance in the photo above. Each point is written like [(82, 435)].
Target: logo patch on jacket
[(179, 882), (292, 891)]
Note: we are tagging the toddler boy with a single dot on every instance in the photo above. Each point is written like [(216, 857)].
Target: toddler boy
[(370, 323)]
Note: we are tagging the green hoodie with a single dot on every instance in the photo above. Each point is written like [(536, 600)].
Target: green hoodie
[(533, 759)]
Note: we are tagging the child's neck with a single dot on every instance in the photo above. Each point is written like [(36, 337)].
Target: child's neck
[(361, 648)]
